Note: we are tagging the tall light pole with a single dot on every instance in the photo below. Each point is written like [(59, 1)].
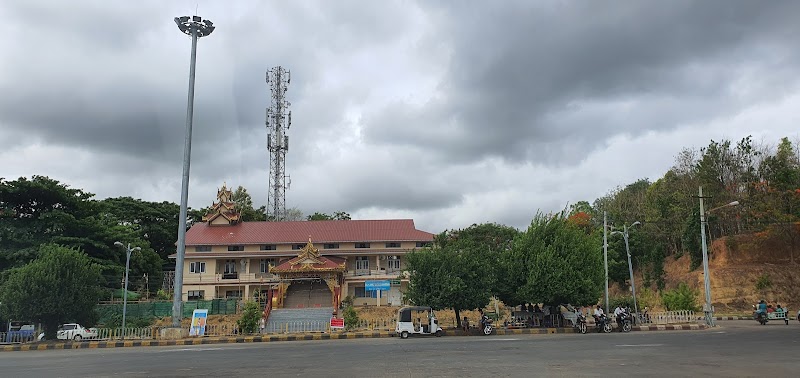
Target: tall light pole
[(630, 266), (605, 253), (708, 309), (128, 251), (196, 27)]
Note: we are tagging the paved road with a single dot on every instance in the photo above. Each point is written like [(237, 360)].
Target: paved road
[(736, 348)]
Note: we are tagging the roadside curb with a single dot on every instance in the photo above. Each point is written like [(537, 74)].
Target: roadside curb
[(303, 337), (671, 327), (732, 318)]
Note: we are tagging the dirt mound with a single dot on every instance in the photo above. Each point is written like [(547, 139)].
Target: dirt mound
[(744, 269)]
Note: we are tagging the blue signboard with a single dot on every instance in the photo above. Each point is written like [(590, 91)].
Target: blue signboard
[(383, 285)]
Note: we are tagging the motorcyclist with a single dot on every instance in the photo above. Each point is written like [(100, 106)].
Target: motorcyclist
[(762, 307), (598, 314), (619, 314)]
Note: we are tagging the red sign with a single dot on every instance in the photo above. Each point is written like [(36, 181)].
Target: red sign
[(337, 323)]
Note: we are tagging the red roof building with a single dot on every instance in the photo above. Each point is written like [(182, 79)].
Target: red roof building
[(304, 263)]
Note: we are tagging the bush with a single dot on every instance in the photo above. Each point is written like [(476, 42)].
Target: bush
[(162, 295), (623, 300), (681, 298), (251, 315), (114, 320), (347, 301), (350, 318), (763, 282)]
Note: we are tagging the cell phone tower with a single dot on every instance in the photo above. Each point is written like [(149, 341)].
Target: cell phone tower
[(279, 119)]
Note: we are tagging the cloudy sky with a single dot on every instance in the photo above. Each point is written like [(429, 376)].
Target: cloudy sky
[(447, 112)]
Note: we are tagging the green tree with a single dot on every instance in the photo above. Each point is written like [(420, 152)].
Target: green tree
[(350, 317), (554, 262), (454, 272), (339, 215), (244, 204), (61, 285), (251, 314)]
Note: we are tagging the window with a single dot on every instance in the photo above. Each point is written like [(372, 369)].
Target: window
[(265, 263), (393, 245), (230, 266), (235, 248), (233, 294), (202, 248), (197, 267), (362, 245), (298, 246), (268, 247), (393, 263), (362, 263), (196, 295), (423, 244), (361, 292), (331, 246)]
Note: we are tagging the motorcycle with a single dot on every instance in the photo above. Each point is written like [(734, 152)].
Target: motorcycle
[(580, 323), (624, 321), (602, 324), (761, 318), (486, 325)]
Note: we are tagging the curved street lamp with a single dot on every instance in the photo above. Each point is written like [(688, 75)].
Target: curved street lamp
[(128, 251), (624, 234), (196, 27), (708, 309)]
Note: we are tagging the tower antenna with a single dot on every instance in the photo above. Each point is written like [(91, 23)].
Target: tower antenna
[(279, 119)]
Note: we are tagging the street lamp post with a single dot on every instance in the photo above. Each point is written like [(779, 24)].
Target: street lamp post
[(605, 253), (708, 309), (128, 251), (630, 266), (196, 27)]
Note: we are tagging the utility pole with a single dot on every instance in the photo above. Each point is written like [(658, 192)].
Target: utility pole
[(708, 310)]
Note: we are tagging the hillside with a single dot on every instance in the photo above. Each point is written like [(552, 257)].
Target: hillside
[(737, 263)]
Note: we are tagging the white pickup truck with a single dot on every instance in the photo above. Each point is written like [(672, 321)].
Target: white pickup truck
[(73, 331)]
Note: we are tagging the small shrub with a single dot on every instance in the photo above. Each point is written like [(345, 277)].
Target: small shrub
[(248, 322), (681, 298), (621, 300), (350, 318), (763, 282), (347, 301), (162, 295), (731, 243)]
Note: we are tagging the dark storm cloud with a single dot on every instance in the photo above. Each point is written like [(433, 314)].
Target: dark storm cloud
[(515, 69)]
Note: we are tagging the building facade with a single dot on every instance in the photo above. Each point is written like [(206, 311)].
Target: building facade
[(303, 263)]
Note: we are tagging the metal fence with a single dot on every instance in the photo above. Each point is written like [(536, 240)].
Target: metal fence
[(668, 317), (160, 309), (17, 337)]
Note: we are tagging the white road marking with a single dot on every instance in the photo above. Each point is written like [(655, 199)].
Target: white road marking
[(640, 345), (495, 339)]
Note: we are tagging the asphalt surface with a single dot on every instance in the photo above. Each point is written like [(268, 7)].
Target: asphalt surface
[(734, 349)]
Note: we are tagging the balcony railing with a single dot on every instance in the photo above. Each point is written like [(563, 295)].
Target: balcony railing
[(210, 278), (373, 272)]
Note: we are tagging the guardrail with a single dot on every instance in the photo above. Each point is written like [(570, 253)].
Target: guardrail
[(669, 317), (17, 337)]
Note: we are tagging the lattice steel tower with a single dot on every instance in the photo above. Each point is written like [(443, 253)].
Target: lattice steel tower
[(279, 119)]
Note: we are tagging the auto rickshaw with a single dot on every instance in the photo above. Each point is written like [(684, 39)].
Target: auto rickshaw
[(410, 322)]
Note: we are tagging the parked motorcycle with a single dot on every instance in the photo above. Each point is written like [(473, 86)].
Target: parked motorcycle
[(624, 321), (486, 325), (603, 324), (580, 323)]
